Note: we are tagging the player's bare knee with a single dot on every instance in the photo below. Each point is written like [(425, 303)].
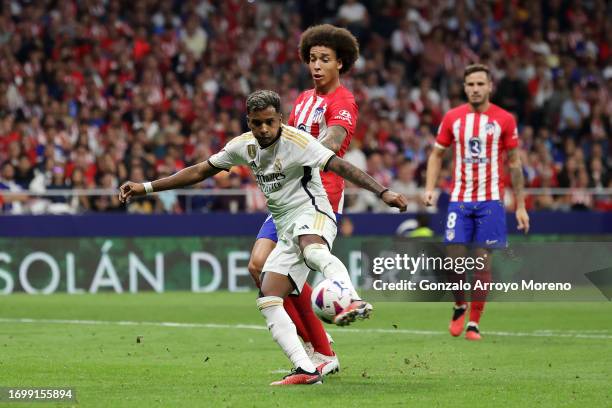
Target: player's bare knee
[(275, 284), (316, 255)]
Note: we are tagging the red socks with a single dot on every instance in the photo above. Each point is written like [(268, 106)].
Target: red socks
[(308, 325), (479, 296), (318, 338), (290, 304)]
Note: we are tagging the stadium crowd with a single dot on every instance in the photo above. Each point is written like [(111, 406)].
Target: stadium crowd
[(96, 92)]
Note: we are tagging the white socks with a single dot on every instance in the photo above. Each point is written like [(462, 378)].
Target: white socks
[(318, 257), (284, 332)]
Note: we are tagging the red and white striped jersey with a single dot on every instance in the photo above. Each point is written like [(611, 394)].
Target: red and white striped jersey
[(480, 140), (315, 114)]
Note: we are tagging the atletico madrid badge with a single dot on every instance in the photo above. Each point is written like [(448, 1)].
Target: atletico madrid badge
[(450, 234)]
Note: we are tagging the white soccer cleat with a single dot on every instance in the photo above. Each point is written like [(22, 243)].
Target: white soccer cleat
[(325, 364)]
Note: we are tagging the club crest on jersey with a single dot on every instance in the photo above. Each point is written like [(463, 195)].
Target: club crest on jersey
[(252, 151), (450, 234), (278, 167), (490, 128), (318, 113)]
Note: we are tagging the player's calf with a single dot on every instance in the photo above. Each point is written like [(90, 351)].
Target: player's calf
[(284, 333), (318, 257)]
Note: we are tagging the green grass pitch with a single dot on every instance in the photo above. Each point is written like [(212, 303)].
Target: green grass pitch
[(533, 354)]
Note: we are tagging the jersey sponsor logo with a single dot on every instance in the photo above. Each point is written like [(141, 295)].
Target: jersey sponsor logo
[(344, 115), (476, 160), (475, 147), (252, 151), (269, 183)]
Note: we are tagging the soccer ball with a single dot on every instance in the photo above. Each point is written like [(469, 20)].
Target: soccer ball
[(329, 298)]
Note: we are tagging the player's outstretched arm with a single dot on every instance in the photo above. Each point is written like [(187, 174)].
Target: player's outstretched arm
[(186, 177), (353, 174), (518, 182), (434, 164)]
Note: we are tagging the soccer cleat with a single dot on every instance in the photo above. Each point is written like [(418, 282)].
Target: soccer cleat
[(326, 364), (358, 309), (458, 321), (472, 332), (300, 377)]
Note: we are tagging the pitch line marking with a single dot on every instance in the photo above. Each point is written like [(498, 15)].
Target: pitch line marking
[(586, 334)]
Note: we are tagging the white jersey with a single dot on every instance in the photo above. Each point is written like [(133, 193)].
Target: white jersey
[(287, 171)]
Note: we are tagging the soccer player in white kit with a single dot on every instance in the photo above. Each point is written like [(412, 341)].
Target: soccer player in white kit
[(286, 163)]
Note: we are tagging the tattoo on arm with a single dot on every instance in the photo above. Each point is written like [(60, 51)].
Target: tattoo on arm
[(353, 174), (334, 138), (516, 174)]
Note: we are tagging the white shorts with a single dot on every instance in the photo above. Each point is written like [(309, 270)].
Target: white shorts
[(287, 259)]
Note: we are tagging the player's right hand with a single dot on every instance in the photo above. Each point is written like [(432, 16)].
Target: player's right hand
[(428, 198), (130, 189), (393, 199)]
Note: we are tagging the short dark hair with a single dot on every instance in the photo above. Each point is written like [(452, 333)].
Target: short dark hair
[(470, 69), (339, 39), (261, 99)]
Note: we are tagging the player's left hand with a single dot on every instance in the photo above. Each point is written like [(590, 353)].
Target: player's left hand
[(522, 218), (393, 199)]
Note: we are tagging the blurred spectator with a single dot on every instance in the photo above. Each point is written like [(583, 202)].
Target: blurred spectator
[(11, 204), (405, 184)]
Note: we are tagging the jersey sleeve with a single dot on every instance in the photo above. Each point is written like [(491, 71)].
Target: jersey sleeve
[(342, 112), (316, 155), (445, 133), (230, 155), (510, 137)]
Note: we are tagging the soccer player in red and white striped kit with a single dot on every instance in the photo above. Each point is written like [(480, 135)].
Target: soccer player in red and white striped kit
[(329, 113), (481, 134)]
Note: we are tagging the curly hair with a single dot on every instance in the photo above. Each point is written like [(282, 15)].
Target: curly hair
[(340, 40)]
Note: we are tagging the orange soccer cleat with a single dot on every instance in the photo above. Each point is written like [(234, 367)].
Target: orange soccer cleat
[(300, 377), (458, 321), (357, 309), (472, 333)]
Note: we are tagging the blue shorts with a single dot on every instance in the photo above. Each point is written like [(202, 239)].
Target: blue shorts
[(268, 228), (482, 223)]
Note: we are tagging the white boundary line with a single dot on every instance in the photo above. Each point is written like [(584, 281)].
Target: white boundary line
[(585, 334)]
